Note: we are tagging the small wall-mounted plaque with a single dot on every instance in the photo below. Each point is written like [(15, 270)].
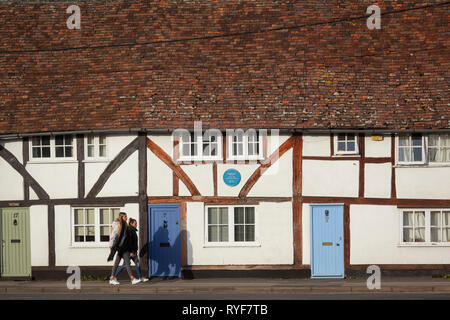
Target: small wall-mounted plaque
[(377, 138), (15, 240), (231, 177), (327, 243)]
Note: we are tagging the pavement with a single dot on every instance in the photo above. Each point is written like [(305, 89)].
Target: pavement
[(233, 286)]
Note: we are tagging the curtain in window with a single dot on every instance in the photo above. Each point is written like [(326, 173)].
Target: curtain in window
[(439, 147)]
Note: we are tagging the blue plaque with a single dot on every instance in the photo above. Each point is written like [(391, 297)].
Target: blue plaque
[(231, 177)]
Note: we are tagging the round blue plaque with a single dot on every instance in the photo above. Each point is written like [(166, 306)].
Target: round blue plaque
[(231, 177)]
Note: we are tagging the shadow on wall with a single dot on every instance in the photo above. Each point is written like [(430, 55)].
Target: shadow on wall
[(166, 264)]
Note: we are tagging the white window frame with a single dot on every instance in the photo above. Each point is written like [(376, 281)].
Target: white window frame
[(92, 244), (427, 146), (199, 142), (425, 158), (340, 153), (53, 158), (231, 241), (96, 157), (397, 151), (428, 241), (245, 142)]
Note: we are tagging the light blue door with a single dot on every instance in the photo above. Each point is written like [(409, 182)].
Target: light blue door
[(327, 241), (164, 240)]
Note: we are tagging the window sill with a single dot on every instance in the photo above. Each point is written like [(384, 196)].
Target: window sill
[(231, 244), (89, 246), (421, 165), (96, 161), (346, 155), (424, 244), (51, 161)]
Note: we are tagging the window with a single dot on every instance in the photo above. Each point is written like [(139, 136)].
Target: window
[(244, 224), (425, 226), (93, 225), (439, 148), (345, 143), (96, 147), (63, 146), (201, 147), (231, 224), (411, 148), (40, 147), (423, 149), (245, 145), (59, 147)]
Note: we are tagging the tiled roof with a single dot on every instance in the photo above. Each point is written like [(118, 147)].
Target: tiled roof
[(230, 64)]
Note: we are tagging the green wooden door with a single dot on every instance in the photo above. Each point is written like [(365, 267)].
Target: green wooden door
[(15, 248)]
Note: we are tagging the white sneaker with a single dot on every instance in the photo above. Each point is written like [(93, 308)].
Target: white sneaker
[(134, 281), (144, 279), (114, 282)]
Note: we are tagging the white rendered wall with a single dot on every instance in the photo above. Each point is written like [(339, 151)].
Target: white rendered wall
[(274, 233), (423, 183), (316, 145), (330, 178), (11, 186), (275, 181), (39, 235), (159, 175), (201, 176), (375, 236), (67, 254), (378, 149), (377, 180), (306, 234), (59, 180)]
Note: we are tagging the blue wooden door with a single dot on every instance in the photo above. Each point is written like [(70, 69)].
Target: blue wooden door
[(327, 241), (164, 240)]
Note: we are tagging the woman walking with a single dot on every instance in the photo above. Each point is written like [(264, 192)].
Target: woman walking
[(132, 249), (119, 242)]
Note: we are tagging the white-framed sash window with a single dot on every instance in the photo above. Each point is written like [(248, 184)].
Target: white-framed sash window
[(92, 226), (425, 227), (96, 147), (423, 149), (196, 147), (346, 144), (245, 145), (231, 225), (52, 148)]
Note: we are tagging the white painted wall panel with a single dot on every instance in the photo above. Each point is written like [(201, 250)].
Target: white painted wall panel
[(39, 235), (11, 186), (202, 177), (159, 177), (316, 145), (277, 180), (274, 230), (423, 183), (375, 237), (14, 146), (124, 181), (306, 234), (330, 178), (378, 149), (164, 141), (59, 180), (377, 180)]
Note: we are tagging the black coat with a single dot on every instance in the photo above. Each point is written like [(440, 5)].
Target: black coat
[(132, 243)]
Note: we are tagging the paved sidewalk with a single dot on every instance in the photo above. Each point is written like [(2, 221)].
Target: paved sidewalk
[(232, 286)]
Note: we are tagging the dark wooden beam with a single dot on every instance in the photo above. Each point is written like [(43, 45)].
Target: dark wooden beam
[(26, 158), (297, 197), (113, 166), (393, 184), (51, 236), (362, 164), (81, 167), (143, 202)]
